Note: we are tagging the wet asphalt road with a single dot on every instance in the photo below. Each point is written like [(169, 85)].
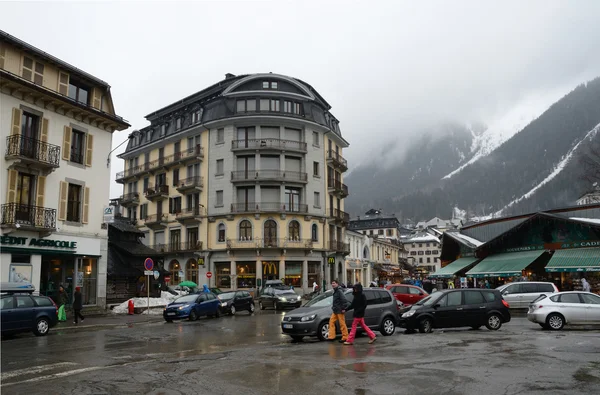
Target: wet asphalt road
[(249, 355)]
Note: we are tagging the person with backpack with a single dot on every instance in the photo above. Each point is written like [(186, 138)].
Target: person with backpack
[(359, 305)]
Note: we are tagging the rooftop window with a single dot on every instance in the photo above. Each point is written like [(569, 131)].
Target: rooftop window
[(78, 91)]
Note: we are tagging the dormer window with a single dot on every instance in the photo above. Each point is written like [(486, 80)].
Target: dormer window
[(78, 91), (163, 130), (197, 116), (149, 135), (178, 123), (269, 85)]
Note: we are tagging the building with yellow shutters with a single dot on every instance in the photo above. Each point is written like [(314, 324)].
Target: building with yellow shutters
[(244, 180), (56, 123)]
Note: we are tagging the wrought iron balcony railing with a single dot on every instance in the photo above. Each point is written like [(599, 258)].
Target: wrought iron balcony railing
[(166, 161), (337, 186), (339, 215), (268, 175), (267, 207), (337, 160), (269, 242), (27, 216), (339, 246), (268, 143), (189, 183), (19, 146)]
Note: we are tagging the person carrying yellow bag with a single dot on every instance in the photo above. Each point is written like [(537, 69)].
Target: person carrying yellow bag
[(62, 302)]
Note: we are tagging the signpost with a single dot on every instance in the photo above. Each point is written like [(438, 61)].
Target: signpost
[(149, 266), (208, 275)]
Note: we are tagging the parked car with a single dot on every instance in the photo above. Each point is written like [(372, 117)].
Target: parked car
[(278, 298), (554, 311), (407, 294), (519, 295), (216, 291), (232, 302), (28, 313), (452, 308), (312, 319), (192, 307)]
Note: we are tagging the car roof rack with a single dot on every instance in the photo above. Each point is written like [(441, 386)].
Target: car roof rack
[(15, 288)]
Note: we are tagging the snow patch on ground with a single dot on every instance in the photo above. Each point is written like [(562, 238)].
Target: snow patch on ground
[(165, 299)]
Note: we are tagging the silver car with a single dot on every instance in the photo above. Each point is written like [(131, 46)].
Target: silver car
[(553, 311), (519, 295), (312, 319)]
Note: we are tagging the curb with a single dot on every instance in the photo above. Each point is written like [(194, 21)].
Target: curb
[(74, 327)]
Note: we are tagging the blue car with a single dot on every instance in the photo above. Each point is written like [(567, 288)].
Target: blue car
[(192, 307), (28, 313)]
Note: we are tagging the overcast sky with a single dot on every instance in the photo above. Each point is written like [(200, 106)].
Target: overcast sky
[(385, 67)]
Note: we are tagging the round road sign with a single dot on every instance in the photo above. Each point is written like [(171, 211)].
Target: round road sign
[(208, 274), (149, 264)]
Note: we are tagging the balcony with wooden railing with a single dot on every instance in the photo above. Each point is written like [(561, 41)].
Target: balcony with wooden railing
[(269, 175), (157, 192), (337, 160), (33, 153), (195, 183), (337, 187), (267, 207), (27, 217), (268, 144)]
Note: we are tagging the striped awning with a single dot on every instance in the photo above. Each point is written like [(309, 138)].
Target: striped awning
[(504, 265), (575, 260), (454, 267)]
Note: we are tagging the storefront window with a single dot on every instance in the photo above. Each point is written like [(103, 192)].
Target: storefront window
[(223, 275), (246, 274), (89, 269), (314, 274), (192, 271), (293, 273), (174, 268)]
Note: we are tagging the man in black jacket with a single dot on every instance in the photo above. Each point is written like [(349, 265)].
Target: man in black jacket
[(338, 305), (359, 305), (77, 305)]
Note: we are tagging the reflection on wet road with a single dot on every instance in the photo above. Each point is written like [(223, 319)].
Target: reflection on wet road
[(248, 354)]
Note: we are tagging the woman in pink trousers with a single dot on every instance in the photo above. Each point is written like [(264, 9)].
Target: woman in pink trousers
[(358, 305)]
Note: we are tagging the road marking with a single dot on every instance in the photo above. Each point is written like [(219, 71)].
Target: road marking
[(34, 370)]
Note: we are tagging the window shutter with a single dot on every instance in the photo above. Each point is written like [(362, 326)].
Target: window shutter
[(44, 134), (63, 83), (96, 98), (11, 192), (2, 55), (86, 205), (38, 76), (170, 205), (27, 71), (16, 121), (62, 207), (40, 191), (67, 143), (89, 141)]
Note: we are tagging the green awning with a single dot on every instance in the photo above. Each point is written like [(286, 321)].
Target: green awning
[(453, 268), (575, 260), (504, 265)]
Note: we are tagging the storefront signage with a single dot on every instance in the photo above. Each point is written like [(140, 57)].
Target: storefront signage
[(331, 260), (558, 246), (33, 242)]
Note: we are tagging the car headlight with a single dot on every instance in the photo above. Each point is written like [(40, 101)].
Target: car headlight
[(409, 314), (185, 306), (308, 318), (283, 299), (299, 298)]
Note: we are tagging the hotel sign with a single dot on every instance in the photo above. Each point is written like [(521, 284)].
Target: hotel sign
[(13, 241)]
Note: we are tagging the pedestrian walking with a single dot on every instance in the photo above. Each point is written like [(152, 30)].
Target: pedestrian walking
[(585, 285), (359, 305), (338, 307), (77, 305), (63, 299)]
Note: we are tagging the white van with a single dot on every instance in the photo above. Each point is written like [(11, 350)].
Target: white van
[(520, 294)]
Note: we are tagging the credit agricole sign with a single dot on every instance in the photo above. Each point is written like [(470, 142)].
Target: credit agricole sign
[(12, 241)]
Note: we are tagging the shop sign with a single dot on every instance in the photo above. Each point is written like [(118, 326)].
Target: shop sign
[(331, 260), (34, 242), (559, 246)]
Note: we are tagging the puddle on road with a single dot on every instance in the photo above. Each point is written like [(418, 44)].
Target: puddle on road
[(366, 367)]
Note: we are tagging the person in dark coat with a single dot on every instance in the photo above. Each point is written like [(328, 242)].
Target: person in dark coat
[(359, 305), (77, 305), (338, 307)]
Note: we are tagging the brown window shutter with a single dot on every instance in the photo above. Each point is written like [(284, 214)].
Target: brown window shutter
[(86, 205), (67, 143), (62, 207), (63, 83), (11, 191), (170, 205), (89, 141), (2, 55), (27, 70), (16, 121), (38, 76), (40, 191), (97, 98), (44, 134)]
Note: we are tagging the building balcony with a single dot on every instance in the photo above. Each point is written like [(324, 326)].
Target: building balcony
[(339, 247), (130, 199), (32, 152), (190, 155), (27, 217), (187, 156), (337, 187), (156, 221), (189, 184), (191, 215), (269, 175), (337, 161), (251, 207), (258, 243), (268, 144), (178, 247), (156, 193), (339, 216)]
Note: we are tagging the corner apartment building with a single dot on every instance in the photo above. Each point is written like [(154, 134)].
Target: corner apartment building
[(244, 180), (56, 123), (424, 251)]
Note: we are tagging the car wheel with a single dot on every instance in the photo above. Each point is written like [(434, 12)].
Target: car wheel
[(251, 309), (323, 331), (494, 322), (261, 306), (232, 310), (193, 316), (545, 326), (297, 338), (555, 321), (425, 325), (42, 327), (388, 327)]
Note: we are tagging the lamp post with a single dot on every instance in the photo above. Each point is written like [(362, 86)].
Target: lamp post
[(131, 135)]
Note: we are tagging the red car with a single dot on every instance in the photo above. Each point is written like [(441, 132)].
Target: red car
[(407, 294)]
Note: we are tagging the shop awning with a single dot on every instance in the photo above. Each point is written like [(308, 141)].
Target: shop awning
[(453, 268), (575, 260), (504, 265)]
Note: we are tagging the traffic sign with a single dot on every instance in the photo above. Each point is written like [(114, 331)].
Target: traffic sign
[(167, 279), (208, 274), (148, 272), (149, 265), (156, 274)]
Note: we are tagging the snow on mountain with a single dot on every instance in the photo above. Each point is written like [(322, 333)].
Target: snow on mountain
[(506, 126)]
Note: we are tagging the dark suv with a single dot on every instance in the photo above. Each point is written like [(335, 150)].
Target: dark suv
[(454, 308), (26, 313)]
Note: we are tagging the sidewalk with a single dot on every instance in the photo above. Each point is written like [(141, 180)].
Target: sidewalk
[(108, 320)]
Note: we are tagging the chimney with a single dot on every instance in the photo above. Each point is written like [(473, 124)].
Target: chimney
[(229, 75)]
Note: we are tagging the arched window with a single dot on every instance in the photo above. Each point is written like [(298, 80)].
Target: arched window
[(245, 230), (221, 233), (315, 233), (365, 253), (294, 230), (192, 271), (270, 233), (174, 268)]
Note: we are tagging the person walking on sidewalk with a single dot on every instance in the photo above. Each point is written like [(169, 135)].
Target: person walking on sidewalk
[(77, 305), (338, 306), (359, 305), (62, 304)]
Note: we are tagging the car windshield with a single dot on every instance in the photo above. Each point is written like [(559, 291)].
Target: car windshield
[(186, 299), (321, 300), (284, 291), (226, 295), (428, 301)]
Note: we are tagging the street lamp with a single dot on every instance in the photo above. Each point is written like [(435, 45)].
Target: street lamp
[(131, 135)]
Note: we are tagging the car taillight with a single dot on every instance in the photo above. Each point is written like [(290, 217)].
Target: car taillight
[(505, 303), (55, 306)]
